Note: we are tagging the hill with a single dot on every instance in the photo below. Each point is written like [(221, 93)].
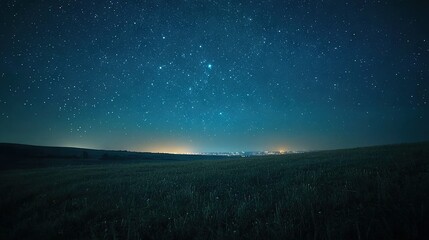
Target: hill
[(28, 156), (365, 193)]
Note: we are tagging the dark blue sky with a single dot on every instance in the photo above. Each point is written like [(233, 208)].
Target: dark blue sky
[(214, 75)]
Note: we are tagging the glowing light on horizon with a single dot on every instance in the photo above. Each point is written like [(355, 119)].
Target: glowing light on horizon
[(282, 150), (167, 148)]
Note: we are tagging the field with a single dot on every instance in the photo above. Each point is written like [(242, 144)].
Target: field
[(365, 193)]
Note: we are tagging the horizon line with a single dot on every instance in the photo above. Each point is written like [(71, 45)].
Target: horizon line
[(207, 152)]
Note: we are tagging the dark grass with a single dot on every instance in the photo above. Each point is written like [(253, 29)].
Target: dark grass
[(367, 193)]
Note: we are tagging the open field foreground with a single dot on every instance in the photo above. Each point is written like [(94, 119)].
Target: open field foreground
[(366, 193)]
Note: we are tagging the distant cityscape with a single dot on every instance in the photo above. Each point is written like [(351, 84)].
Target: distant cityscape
[(248, 153)]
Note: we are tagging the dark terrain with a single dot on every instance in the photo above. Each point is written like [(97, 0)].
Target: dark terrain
[(364, 193), (14, 156)]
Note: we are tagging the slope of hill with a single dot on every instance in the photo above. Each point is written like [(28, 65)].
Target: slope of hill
[(366, 193), (28, 156)]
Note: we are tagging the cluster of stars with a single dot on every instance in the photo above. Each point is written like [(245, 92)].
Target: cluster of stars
[(224, 75)]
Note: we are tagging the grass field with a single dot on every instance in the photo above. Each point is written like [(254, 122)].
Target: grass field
[(366, 193)]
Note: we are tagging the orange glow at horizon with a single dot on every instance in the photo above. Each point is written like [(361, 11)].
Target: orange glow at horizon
[(167, 148), (282, 149)]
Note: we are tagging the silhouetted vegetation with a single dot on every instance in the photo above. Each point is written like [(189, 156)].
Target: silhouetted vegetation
[(367, 193)]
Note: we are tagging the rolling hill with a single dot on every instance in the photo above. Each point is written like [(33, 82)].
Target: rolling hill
[(364, 193)]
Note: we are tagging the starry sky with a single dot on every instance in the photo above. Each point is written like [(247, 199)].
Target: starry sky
[(214, 75)]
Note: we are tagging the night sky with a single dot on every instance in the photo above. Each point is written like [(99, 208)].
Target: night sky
[(201, 75)]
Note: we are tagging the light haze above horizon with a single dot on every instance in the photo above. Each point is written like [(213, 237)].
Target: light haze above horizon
[(214, 76)]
